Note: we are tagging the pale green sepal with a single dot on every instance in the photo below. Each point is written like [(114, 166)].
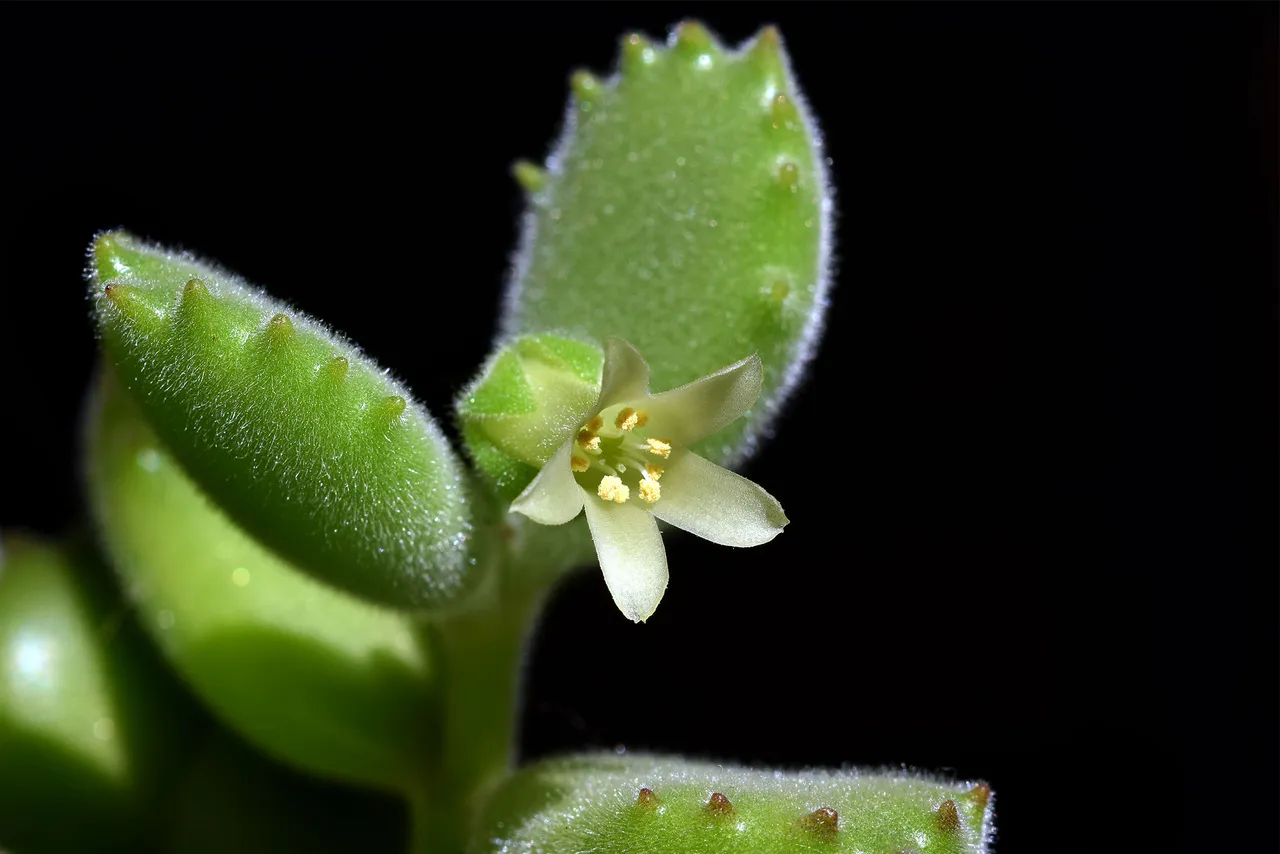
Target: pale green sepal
[(507, 475), (532, 395), (631, 556), (716, 504)]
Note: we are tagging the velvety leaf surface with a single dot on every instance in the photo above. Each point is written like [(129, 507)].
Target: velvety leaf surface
[(606, 804), (685, 209), (299, 437), (309, 674)]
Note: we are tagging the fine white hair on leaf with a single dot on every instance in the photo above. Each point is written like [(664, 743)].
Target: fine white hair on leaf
[(802, 349), (261, 441), (596, 797)]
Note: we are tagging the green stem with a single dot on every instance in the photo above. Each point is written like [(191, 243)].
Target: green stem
[(479, 653)]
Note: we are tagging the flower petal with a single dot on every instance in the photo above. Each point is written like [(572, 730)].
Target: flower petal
[(626, 374), (707, 405), (702, 498), (553, 497), (631, 555)]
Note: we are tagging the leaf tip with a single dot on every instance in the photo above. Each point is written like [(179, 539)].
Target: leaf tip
[(280, 330), (823, 822), (718, 805), (646, 799), (637, 52), (947, 817), (692, 38), (586, 86), (391, 408), (105, 260), (531, 178), (336, 368), (765, 52), (783, 113), (194, 290)]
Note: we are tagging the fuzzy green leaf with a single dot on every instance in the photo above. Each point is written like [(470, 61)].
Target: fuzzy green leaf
[(619, 805), (311, 675), (303, 440), (90, 724), (686, 209)]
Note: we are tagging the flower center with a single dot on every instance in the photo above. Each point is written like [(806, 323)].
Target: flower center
[(613, 455)]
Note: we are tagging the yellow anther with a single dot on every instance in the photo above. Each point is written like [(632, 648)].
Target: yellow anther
[(589, 441), (595, 424), (626, 419), (654, 472), (578, 464), (659, 447), (642, 418), (650, 491), (613, 489)]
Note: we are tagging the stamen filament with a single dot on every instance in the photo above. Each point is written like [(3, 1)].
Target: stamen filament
[(603, 466)]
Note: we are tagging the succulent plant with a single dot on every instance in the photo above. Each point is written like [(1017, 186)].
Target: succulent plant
[(350, 596)]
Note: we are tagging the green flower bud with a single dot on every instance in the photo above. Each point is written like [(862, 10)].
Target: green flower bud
[(530, 395)]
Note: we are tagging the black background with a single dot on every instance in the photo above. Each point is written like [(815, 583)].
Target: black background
[(1031, 477)]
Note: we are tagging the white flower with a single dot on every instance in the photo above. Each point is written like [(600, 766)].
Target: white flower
[(628, 463)]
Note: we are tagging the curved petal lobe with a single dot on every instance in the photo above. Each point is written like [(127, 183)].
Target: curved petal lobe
[(631, 555), (707, 405), (626, 374), (702, 498), (553, 497)]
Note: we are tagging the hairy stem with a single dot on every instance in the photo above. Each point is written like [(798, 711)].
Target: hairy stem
[(480, 653)]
